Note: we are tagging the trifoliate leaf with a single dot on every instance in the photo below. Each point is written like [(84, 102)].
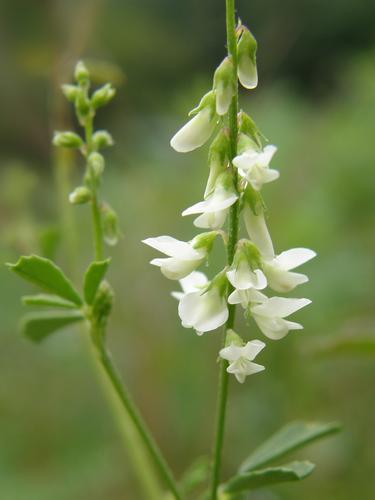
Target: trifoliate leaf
[(37, 326), (44, 300), (93, 277)]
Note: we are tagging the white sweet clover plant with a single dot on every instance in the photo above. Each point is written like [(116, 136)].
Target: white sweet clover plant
[(233, 181), (239, 167)]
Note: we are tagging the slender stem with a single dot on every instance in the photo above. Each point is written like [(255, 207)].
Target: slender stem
[(134, 415), (233, 238)]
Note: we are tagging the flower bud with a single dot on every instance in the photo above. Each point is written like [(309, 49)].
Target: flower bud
[(110, 226), (199, 129), (224, 86), (102, 96), (81, 74), (249, 134), (80, 195), (102, 139), (103, 301), (70, 92), (96, 163), (67, 140), (217, 160), (247, 69), (83, 107)]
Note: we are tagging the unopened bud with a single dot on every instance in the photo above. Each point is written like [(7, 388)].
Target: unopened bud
[(102, 139), (110, 226), (80, 195), (67, 140), (70, 92), (102, 96), (96, 163), (247, 69), (83, 107), (81, 74), (224, 86)]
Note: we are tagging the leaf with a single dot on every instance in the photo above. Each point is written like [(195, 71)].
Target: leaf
[(37, 326), (43, 299), (288, 438), (93, 277), (45, 274), (293, 471)]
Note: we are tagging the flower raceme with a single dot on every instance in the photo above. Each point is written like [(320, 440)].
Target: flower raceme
[(233, 181)]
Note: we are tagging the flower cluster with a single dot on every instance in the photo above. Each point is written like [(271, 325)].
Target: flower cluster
[(233, 179)]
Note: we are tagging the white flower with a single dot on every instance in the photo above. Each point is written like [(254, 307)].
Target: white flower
[(192, 283), (199, 129), (276, 267), (205, 310), (269, 313), (269, 316), (215, 208), (224, 86), (278, 272), (183, 257), (240, 359), (254, 166)]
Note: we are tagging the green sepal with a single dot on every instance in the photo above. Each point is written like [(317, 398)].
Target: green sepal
[(37, 326), (289, 438), (47, 275), (208, 100), (93, 277), (294, 471), (44, 300)]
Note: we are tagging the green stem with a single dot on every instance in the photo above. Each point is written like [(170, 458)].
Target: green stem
[(233, 238), (135, 417)]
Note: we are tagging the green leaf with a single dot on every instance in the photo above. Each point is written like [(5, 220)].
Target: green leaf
[(37, 326), (43, 300), (93, 277), (45, 274), (294, 471), (288, 438), (195, 475)]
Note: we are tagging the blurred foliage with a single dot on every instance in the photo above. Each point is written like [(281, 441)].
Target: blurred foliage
[(316, 102)]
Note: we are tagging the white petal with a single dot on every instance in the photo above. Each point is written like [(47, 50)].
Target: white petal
[(247, 73), (245, 297), (176, 269), (177, 295), (211, 220), (246, 160), (193, 282), (257, 230), (252, 349), (203, 312), (279, 307), (231, 353), (267, 154), (218, 200), (294, 257), (273, 328), (283, 281), (172, 247), (195, 133), (243, 277), (269, 175)]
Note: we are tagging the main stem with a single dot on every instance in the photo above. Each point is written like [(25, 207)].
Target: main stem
[(98, 336), (233, 238)]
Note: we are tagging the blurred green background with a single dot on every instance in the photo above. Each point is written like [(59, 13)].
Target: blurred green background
[(316, 101)]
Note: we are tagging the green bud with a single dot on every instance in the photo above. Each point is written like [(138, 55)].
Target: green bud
[(102, 139), (70, 92), (83, 107), (80, 195), (81, 74), (220, 281), (233, 338), (224, 86), (249, 134), (67, 140), (102, 96), (217, 159), (110, 225), (247, 69), (246, 249), (96, 163), (103, 301)]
